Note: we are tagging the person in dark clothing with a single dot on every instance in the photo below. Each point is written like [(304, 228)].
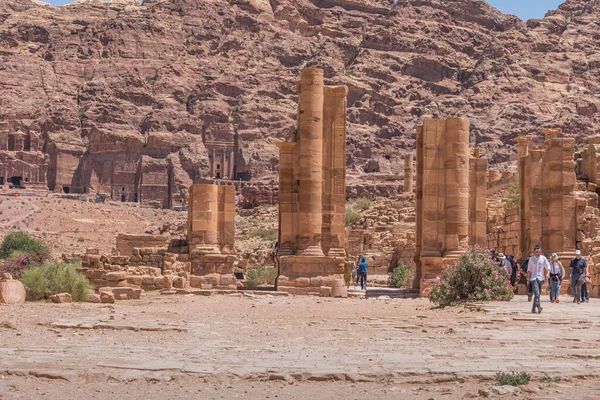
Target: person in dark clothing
[(524, 268), (579, 271), (362, 272), (513, 275)]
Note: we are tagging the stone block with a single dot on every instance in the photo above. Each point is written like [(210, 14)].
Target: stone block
[(12, 292), (61, 298), (107, 297), (317, 281), (135, 280), (228, 280), (324, 291), (196, 281), (302, 282), (179, 282), (127, 293), (116, 276)]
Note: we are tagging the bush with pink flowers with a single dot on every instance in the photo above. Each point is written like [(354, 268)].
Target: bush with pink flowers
[(472, 277)]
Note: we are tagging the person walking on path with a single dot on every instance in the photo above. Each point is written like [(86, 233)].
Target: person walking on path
[(524, 268), (537, 272), (362, 273), (557, 273), (579, 271)]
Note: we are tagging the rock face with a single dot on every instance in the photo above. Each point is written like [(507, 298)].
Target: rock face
[(138, 101)]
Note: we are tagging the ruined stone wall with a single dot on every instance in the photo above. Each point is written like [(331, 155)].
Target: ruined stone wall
[(126, 243), (503, 229)]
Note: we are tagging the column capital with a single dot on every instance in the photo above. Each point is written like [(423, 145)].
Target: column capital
[(523, 145), (551, 133)]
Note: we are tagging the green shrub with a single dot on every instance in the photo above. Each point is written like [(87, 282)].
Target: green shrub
[(263, 275), (362, 204), (474, 276), (55, 278), (265, 234), (352, 217), (402, 277), (513, 378), (19, 242)]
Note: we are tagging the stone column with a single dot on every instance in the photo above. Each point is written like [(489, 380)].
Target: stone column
[(310, 168), (226, 218), (419, 207), (288, 199), (478, 181), (524, 194), (334, 170), (203, 217), (457, 185), (432, 188), (408, 173)]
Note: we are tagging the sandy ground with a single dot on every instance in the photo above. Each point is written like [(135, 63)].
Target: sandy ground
[(71, 226), (239, 346)]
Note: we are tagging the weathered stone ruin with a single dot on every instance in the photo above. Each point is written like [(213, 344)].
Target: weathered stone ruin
[(211, 233), (22, 161), (312, 189), (451, 197), (557, 205)]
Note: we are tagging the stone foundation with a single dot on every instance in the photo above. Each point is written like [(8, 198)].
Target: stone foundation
[(306, 275)]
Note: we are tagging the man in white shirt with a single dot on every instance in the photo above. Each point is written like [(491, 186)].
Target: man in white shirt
[(538, 269)]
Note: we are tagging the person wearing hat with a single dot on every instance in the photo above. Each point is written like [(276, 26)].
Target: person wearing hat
[(537, 272), (579, 271), (557, 272), (505, 264)]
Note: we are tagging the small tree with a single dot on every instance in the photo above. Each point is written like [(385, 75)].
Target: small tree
[(401, 276), (19, 242), (474, 276)]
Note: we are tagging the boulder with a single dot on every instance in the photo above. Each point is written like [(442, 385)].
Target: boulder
[(12, 292), (93, 297), (61, 298), (107, 297)]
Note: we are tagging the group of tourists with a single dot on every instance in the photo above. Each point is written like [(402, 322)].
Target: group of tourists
[(536, 269)]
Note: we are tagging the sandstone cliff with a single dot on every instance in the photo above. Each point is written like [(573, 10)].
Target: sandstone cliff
[(207, 87)]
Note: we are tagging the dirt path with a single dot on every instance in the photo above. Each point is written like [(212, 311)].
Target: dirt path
[(297, 341)]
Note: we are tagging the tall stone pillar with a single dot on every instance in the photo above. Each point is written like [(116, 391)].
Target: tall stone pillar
[(334, 171), (203, 215), (310, 168), (288, 199), (226, 218), (457, 185), (432, 188), (478, 181), (524, 194), (408, 173)]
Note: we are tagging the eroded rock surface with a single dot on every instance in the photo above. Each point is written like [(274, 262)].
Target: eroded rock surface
[(131, 98)]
